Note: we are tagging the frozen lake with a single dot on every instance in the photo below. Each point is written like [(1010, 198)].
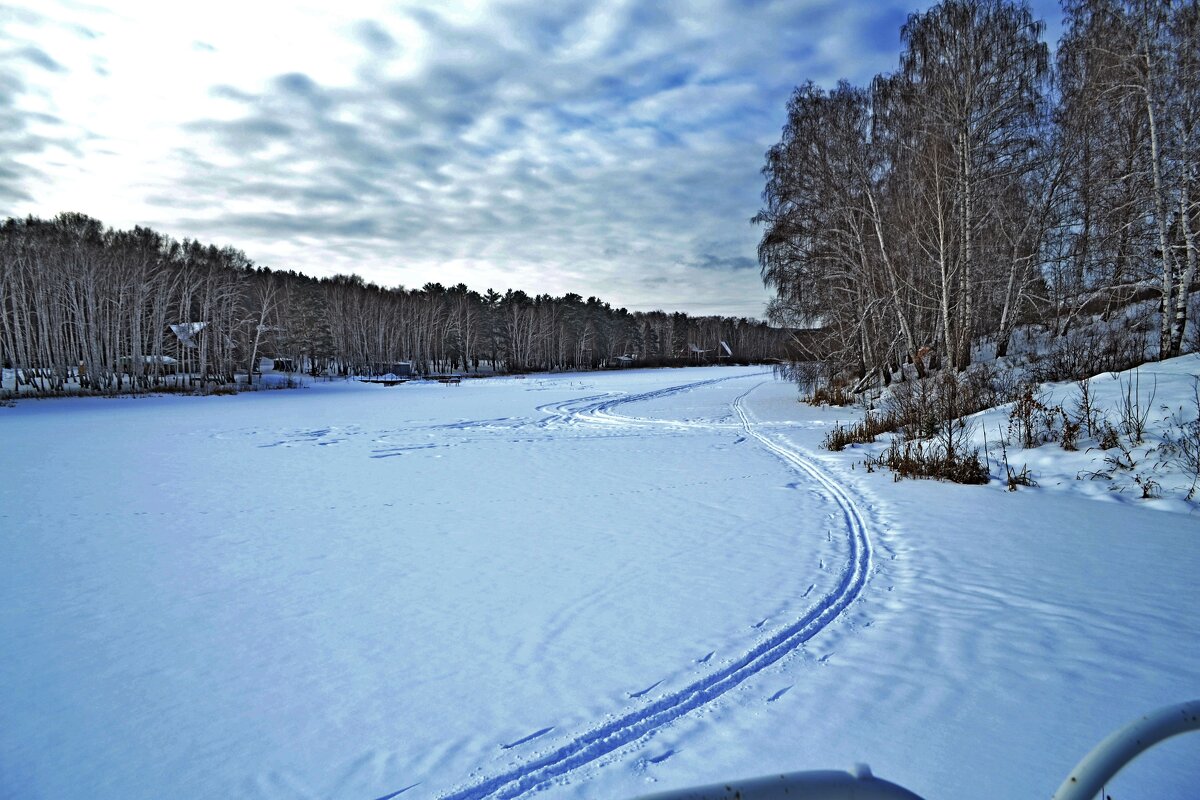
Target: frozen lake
[(588, 585)]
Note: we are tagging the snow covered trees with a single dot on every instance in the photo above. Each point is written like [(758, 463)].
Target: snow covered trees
[(950, 198)]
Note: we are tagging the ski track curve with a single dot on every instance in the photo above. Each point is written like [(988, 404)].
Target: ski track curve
[(596, 408), (625, 729)]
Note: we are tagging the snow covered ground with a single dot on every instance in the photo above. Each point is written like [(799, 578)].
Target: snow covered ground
[(1159, 395), (588, 585)]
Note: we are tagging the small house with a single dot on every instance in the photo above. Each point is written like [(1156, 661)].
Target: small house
[(162, 365)]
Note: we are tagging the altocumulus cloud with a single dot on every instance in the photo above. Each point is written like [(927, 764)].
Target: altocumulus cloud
[(28, 132), (594, 147)]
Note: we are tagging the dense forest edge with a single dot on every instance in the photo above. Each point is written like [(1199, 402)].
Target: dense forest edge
[(89, 309), (915, 223), (987, 220)]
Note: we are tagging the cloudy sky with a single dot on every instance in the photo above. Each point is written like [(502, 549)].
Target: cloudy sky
[(605, 148)]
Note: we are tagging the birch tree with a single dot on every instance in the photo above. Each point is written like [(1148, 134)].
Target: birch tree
[(976, 73)]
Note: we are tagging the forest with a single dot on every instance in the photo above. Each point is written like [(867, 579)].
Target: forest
[(88, 308), (917, 221)]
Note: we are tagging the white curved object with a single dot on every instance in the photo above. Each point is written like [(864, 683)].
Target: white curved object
[(825, 785), (1118, 749)]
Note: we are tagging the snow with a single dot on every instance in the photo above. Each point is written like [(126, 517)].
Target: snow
[(1164, 391), (591, 585)]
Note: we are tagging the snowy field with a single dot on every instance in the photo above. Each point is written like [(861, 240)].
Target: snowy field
[(576, 586)]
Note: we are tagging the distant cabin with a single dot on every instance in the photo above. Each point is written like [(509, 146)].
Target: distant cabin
[(163, 365), (620, 362)]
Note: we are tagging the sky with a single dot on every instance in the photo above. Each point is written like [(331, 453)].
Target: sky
[(604, 148)]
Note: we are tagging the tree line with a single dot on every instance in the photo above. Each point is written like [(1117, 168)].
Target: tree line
[(983, 183), (92, 308)]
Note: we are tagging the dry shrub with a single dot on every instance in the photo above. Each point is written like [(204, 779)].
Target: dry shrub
[(935, 407), (1026, 418), (1109, 437), (863, 432), (831, 395), (1181, 441), (1085, 407), (924, 409), (1069, 435), (1083, 353), (1133, 412), (931, 460)]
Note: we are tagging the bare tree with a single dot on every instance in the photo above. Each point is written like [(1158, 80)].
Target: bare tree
[(976, 72)]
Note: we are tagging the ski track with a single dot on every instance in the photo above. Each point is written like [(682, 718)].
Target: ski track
[(619, 731)]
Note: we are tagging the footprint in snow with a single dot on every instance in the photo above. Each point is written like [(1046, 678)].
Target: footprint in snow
[(528, 738), (643, 692), (660, 758), (779, 694)]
